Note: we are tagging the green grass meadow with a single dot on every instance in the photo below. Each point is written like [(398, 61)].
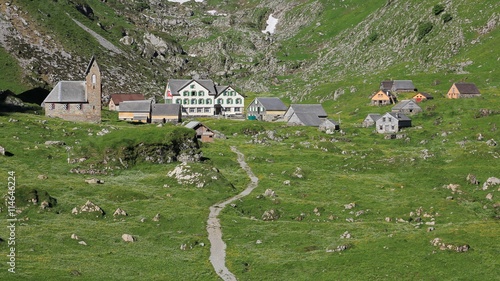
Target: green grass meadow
[(384, 178)]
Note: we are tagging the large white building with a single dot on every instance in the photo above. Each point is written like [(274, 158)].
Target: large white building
[(202, 97)]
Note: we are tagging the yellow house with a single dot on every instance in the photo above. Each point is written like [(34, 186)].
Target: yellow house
[(463, 90), (136, 111), (383, 97)]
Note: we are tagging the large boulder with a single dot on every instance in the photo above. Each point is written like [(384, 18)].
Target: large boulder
[(128, 238)]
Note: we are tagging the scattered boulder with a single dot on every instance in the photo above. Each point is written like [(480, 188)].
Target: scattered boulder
[(339, 248), (270, 215), (345, 235), (269, 193), (156, 217), (2, 150), (128, 238), (349, 206), (88, 207), (489, 196), (491, 182), (120, 212), (55, 143), (286, 182), (45, 205), (94, 181), (75, 237), (82, 243), (491, 142), (472, 179), (437, 242), (42, 177), (453, 187)]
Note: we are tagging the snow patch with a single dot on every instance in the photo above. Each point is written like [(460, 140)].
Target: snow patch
[(271, 24)]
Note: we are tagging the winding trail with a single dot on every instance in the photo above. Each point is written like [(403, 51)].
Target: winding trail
[(217, 245)]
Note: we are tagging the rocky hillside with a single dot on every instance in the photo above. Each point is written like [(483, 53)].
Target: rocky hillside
[(316, 47)]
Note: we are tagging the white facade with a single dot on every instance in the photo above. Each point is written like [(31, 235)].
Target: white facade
[(204, 98)]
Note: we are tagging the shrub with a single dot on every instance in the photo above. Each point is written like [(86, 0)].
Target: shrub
[(446, 17), (423, 29), (372, 37), (438, 9)]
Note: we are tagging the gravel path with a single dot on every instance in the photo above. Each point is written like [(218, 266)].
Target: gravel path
[(105, 43), (217, 245)]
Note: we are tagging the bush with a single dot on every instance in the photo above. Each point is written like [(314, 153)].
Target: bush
[(372, 37), (423, 29), (446, 17), (438, 9)]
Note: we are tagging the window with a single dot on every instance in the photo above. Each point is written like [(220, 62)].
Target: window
[(383, 119), (238, 101), (229, 101), (201, 101), (225, 94), (52, 106), (207, 110), (192, 86), (390, 119), (199, 109), (191, 110), (193, 93), (220, 101), (380, 127), (178, 101), (209, 101), (94, 80), (193, 101), (66, 106), (78, 106), (237, 109), (185, 93), (201, 93), (392, 127), (186, 101)]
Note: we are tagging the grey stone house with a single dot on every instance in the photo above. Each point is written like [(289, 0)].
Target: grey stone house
[(392, 122), (305, 115), (77, 100), (407, 107), (371, 119), (266, 109)]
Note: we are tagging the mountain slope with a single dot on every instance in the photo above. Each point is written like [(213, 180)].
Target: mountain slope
[(319, 47)]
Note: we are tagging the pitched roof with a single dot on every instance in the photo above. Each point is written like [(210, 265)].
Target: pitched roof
[(308, 119), (118, 98), (467, 88), (374, 116), (406, 104), (386, 85), (426, 95), (135, 106), (317, 109), (403, 85), (166, 109), (399, 116), (386, 92), (192, 124), (272, 103), (178, 84), (67, 92)]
